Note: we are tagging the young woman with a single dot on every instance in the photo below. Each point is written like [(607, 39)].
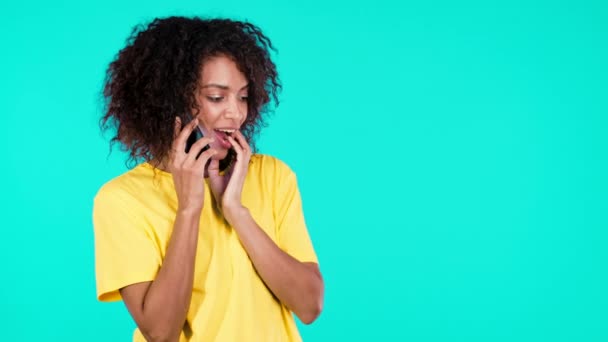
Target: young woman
[(204, 241)]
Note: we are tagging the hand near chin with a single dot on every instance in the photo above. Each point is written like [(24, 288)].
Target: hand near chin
[(227, 188)]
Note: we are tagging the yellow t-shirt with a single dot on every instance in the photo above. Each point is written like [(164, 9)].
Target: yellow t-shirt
[(133, 218)]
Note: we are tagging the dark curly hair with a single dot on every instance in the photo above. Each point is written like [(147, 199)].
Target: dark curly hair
[(153, 79)]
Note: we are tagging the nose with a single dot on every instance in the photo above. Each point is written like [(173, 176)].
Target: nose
[(233, 110)]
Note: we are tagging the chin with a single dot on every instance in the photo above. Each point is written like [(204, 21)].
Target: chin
[(222, 154)]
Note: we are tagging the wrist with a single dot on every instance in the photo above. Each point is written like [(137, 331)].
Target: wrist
[(192, 212), (233, 213)]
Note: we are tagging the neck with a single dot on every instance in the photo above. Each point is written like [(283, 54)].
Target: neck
[(164, 166)]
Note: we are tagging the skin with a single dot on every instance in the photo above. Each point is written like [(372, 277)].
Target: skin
[(159, 308)]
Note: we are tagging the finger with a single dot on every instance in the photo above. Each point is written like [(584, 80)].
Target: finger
[(201, 161), (237, 147), (176, 127), (240, 154), (180, 142), (240, 138), (241, 161), (236, 174), (197, 147)]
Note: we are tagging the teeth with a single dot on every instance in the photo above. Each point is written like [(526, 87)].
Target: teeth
[(226, 130)]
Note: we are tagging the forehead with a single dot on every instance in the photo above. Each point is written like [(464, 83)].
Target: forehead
[(222, 70)]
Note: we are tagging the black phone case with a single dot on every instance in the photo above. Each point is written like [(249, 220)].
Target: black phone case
[(197, 134)]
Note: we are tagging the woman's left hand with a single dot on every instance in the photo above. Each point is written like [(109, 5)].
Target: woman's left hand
[(227, 188)]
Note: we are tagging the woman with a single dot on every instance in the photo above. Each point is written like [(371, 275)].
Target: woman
[(208, 244)]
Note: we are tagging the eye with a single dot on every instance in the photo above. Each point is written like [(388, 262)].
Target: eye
[(215, 98), (244, 98)]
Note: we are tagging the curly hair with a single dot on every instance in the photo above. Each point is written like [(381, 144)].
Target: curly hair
[(153, 79)]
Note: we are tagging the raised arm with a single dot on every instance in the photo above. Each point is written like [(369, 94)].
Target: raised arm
[(159, 307)]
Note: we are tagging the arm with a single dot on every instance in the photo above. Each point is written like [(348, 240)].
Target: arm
[(159, 308), (296, 284)]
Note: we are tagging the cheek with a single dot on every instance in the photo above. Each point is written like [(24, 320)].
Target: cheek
[(245, 109), (209, 113)]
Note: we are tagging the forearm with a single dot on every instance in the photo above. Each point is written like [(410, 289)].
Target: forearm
[(297, 285), (168, 298)]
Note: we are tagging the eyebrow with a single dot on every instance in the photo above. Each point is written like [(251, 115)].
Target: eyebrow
[(221, 86)]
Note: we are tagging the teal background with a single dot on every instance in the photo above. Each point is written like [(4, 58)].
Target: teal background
[(451, 157)]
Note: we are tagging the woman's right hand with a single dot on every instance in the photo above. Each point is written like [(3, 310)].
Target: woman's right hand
[(187, 170)]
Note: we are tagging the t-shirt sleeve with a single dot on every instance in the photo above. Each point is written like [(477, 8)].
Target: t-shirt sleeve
[(125, 252), (294, 238)]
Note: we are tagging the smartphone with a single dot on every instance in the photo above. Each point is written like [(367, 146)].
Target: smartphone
[(197, 134)]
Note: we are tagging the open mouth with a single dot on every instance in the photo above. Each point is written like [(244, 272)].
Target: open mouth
[(222, 135)]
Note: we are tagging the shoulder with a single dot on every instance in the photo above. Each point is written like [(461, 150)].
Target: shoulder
[(271, 166), (127, 186)]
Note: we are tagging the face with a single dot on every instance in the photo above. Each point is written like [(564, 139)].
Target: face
[(222, 98)]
